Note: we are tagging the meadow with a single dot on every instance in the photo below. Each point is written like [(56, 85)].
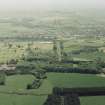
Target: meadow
[(18, 83), (9, 94), (75, 80), (95, 100)]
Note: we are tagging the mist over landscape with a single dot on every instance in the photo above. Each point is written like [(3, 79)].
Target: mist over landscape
[(52, 52), (12, 5), (48, 18)]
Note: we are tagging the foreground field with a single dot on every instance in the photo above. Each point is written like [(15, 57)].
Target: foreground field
[(21, 100), (18, 84)]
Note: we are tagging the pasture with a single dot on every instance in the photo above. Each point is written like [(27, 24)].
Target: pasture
[(75, 80), (17, 83), (9, 93)]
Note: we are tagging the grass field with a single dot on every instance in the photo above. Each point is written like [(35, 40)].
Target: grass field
[(94, 100), (75, 80), (79, 80), (18, 83), (21, 100)]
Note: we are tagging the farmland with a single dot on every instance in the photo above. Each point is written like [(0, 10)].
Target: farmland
[(66, 51), (76, 80), (18, 83), (92, 100)]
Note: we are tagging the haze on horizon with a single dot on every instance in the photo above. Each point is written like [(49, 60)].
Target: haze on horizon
[(12, 5)]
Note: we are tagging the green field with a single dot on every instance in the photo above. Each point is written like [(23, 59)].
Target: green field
[(79, 80), (75, 80), (94, 100), (6, 99), (18, 84)]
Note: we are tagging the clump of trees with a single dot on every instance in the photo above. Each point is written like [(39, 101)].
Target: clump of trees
[(85, 49), (32, 63), (40, 72), (10, 45), (2, 78), (35, 84), (58, 49), (12, 61), (25, 66), (72, 70), (53, 100)]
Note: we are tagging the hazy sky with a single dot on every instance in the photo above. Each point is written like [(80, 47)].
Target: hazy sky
[(49, 4)]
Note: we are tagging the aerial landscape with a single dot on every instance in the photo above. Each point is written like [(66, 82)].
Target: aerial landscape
[(52, 57)]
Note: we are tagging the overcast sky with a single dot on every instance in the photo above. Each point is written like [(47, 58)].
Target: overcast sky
[(49, 4)]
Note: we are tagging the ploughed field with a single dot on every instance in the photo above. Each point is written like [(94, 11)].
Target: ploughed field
[(14, 91)]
